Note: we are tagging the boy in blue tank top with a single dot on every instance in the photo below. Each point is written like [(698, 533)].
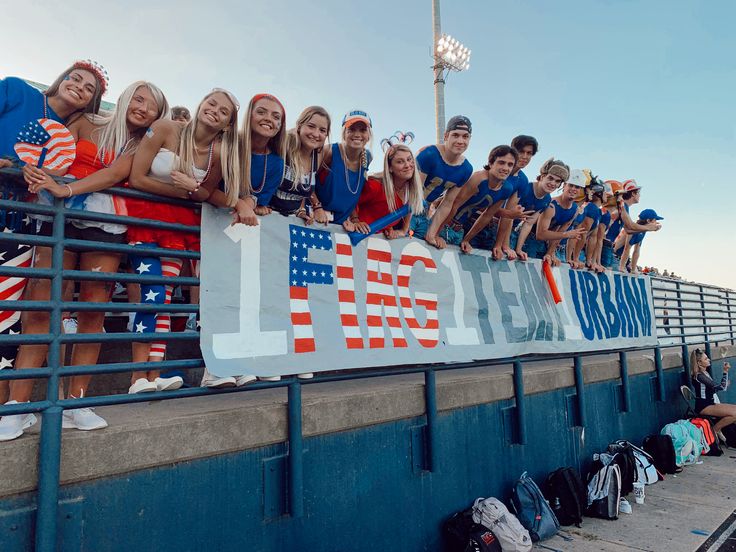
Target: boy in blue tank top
[(534, 198), (444, 169), (628, 241)]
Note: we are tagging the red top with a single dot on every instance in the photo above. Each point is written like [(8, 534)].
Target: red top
[(372, 204), (86, 162)]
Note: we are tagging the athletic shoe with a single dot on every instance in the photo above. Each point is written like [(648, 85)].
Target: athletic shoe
[(245, 379), (215, 382), (69, 325), (269, 378), (305, 375), (142, 385), (624, 507), (11, 427), (168, 384), (82, 418)]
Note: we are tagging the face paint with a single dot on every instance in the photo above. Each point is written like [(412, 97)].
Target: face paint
[(149, 132)]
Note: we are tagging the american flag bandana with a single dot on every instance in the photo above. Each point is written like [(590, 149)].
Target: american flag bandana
[(47, 144)]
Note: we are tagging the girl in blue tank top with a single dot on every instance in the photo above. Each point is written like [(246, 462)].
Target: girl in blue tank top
[(344, 171), (262, 148)]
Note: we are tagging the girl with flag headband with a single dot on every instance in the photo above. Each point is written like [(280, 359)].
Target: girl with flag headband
[(186, 163), (105, 148), (386, 192), (344, 172), (77, 90)]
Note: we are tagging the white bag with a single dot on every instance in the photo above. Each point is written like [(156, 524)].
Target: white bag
[(492, 514), (646, 472)]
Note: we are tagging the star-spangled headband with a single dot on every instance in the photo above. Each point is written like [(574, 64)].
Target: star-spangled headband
[(97, 70), (396, 138)]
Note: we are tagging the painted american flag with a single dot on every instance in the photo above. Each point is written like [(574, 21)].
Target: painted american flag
[(46, 143), (302, 272)]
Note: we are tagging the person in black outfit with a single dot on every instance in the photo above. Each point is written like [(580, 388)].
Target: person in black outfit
[(706, 388)]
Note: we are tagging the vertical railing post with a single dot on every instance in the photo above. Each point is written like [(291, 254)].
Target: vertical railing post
[(579, 387), (520, 403), (685, 365), (430, 402), (49, 455), (680, 312), (296, 451), (660, 374), (625, 391)]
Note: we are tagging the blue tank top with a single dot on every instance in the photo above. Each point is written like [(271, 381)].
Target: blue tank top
[(336, 195), (266, 172), (633, 240), (605, 218), (529, 200), (440, 175), (593, 212), (518, 180), (562, 216), (615, 228), (483, 198)]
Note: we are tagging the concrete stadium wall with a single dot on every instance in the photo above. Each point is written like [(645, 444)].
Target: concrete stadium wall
[(210, 477)]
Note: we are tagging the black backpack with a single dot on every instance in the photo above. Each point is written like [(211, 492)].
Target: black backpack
[(662, 450), (567, 494), (457, 531), (623, 455), (482, 540)]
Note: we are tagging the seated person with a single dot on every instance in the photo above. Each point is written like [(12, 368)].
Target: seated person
[(706, 389)]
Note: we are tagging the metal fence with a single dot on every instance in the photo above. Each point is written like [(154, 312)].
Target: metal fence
[(686, 313)]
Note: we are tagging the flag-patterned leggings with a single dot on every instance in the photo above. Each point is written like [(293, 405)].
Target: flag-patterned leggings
[(147, 322), (11, 289)]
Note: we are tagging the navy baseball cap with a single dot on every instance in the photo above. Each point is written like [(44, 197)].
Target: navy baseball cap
[(649, 214)]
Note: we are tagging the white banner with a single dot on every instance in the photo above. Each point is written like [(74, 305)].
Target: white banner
[(284, 298)]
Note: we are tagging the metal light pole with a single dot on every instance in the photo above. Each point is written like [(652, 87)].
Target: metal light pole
[(449, 55)]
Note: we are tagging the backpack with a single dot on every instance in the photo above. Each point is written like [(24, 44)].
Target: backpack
[(457, 530), (483, 540), (662, 451), (646, 471), (604, 489), (566, 493), (710, 437), (729, 432), (683, 443), (492, 514), (532, 509), (623, 455)]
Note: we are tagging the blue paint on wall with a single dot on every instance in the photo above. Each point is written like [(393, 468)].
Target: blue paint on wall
[(364, 489)]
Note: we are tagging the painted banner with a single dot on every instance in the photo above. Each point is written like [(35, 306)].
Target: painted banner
[(284, 298)]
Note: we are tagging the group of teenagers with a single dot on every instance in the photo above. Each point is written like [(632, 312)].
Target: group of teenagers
[(262, 169)]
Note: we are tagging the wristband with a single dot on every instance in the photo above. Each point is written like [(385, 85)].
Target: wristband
[(71, 192)]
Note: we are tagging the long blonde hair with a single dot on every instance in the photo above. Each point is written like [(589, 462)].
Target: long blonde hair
[(294, 143), (94, 104), (228, 150), (277, 144), (114, 137), (414, 190), (694, 366)]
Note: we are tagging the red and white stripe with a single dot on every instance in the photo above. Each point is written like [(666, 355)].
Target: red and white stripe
[(346, 292), (428, 334), (61, 149), (301, 319), (171, 268), (380, 296), (11, 287)]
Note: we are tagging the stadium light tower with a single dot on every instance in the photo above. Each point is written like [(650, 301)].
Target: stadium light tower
[(449, 55)]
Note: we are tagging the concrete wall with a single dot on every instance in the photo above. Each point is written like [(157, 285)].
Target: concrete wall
[(210, 474)]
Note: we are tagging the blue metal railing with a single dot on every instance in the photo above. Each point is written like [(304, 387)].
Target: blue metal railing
[(704, 314)]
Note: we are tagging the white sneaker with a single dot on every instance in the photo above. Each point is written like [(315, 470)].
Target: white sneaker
[(142, 385), (215, 382), (245, 379), (11, 427), (305, 375), (269, 378), (168, 384), (82, 418), (623, 506), (69, 325)]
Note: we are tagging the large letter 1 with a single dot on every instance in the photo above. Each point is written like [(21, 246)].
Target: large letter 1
[(346, 292), (249, 341)]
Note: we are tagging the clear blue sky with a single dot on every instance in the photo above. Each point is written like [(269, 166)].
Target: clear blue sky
[(630, 89)]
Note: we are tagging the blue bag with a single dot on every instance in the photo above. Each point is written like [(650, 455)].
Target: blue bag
[(532, 509)]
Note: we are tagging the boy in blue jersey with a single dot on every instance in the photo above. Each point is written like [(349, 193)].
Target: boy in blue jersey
[(444, 169), (628, 241), (534, 197)]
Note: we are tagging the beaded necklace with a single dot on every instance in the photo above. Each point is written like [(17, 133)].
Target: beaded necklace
[(344, 155), (209, 162), (265, 170)]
